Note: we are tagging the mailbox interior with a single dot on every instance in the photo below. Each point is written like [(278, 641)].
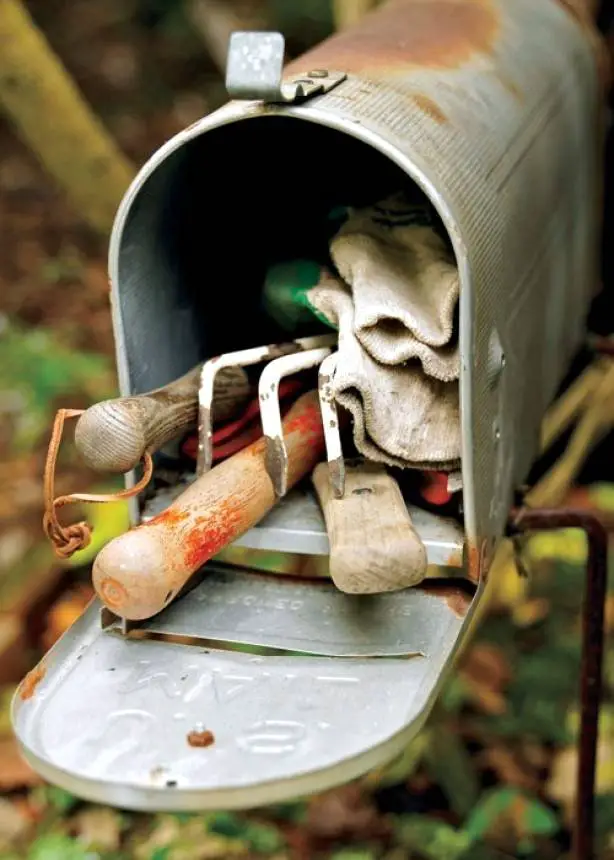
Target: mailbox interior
[(191, 248), (189, 256)]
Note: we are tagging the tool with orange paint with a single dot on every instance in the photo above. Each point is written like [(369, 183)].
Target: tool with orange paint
[(139, 573)]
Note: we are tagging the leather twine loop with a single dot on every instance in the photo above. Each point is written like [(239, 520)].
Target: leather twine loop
[(66, 540)]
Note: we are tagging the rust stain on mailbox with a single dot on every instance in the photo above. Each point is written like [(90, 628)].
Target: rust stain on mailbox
[(429, 107), (31, 682), (403, 34)]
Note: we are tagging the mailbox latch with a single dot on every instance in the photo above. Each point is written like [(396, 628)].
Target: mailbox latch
[(254, 72)]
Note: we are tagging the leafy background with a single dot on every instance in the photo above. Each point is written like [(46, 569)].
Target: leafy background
[(492, 775)]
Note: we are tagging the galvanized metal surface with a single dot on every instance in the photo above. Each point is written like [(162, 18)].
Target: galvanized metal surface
[(296, 525), (108, 718), (254, 71), (492, 108), (282, 614)]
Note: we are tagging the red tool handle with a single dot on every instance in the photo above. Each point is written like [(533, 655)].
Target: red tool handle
[(230, 438), (139, 573)]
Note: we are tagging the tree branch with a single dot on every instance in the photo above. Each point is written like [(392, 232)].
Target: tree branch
[(49, 113)]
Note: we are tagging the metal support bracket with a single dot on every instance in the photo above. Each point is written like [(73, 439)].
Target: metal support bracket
[(523, 520), (254, 72)]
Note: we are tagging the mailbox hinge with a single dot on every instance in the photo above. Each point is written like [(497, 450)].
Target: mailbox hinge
[(254, 72)]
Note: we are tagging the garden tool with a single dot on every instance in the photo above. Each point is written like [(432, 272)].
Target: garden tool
[(268, 393), (330, 422), (230, 438), (396, 330), (435, 488), (114, 435), (241, 358), (139, 573), (374, 546)]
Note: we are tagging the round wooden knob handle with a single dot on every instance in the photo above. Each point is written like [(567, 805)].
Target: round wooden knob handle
[(113, 436)]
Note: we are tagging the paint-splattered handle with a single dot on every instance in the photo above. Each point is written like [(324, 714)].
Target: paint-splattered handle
[(113, 436), (138, 574)]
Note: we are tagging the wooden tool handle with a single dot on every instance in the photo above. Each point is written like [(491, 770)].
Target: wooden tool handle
[(112, 436), (138, 574), (373, 544)]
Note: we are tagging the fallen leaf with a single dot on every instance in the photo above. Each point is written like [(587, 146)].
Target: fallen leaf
[(565, 544), (542, 690), (450, 765), (263, 838), (98, 827), (509, 767), (165, 830), (537, 756), (508, 587), (13, 545), (487, 701), (486, 664), (401, 768), (14, 772), (507, 815), (13, 824), (345, 811), (531, 612), (433, 839), (260, 837), (561, 785), (59, 799), (55, 846), (65, 612), (190, 839), (6, 697), (486, 674), (602, 496), (294, 812), (13, 649)]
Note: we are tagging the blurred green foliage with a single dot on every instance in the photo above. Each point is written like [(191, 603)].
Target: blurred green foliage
[(37, 368)]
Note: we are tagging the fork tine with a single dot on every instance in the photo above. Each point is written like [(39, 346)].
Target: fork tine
[(270, 412), (330, 423), (239, 358)]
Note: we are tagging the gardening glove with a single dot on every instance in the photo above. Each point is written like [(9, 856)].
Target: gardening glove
[(404, 285), (402, 417)]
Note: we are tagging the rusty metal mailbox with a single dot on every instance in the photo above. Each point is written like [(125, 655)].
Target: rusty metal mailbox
[(491, 108)]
